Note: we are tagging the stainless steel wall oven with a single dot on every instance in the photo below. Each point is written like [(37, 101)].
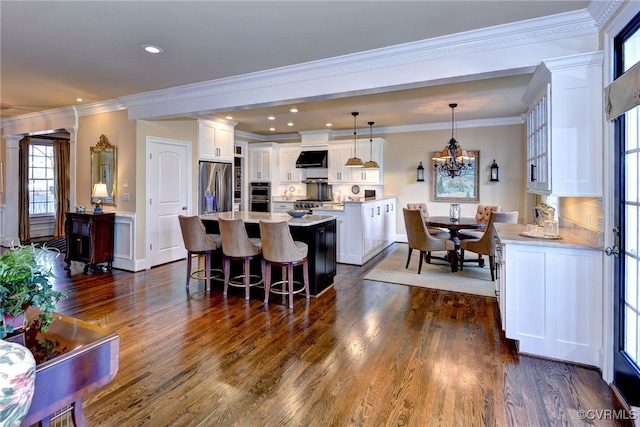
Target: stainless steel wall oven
[(260, 197)]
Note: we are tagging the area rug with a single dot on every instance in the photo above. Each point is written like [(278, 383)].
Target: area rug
[(54, 245), (438, 275)]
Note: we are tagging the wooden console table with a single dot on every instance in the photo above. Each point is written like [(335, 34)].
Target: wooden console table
[(89, 239), (73, 359)]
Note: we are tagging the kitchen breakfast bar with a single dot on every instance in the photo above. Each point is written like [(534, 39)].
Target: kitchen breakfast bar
[(317, 231)]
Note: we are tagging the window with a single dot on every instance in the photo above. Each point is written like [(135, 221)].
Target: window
[(41, 179)]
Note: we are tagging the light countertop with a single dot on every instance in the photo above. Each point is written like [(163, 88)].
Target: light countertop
[(255, 217), (510, 233), (369, 199)]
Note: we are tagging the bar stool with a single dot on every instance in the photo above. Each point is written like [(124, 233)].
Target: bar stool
[(280, 250), (198, 242), (238, 246)]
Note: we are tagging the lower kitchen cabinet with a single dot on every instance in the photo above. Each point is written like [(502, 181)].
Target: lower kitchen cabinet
[(365, 229), (551, 300)]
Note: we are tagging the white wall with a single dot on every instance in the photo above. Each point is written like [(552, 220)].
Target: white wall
[(403, 151)]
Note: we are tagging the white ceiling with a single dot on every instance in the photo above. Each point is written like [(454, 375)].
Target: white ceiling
[(53, 52)]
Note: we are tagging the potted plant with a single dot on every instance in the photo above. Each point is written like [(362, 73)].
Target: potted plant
[(25, 273)]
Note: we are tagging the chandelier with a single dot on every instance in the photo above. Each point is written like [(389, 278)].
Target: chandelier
[(453, 161)]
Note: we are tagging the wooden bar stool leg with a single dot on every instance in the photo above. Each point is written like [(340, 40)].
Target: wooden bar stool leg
[(247, 269), (266, 274), (290, 282), (305, 273), (189, 260), (226, 267)]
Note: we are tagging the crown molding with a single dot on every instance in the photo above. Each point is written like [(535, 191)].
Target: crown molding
[(603, 11), (382, 130), (39, 122), (547, 29), (100, 107)]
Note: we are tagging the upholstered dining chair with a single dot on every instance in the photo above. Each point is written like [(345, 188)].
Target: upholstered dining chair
[(483, 213), (422, 207), (486, 244), (419, 238), (198, 242), (280, 250), (238, 246)]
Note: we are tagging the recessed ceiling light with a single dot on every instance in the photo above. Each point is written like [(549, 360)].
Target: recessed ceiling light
[(271, 118), (272, 129), (229, 117), (79, 99), (294, 110), (290, 124), (329, 125), (152, 49)]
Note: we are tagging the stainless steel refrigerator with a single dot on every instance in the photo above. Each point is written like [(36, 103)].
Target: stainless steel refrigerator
[(215, 187)]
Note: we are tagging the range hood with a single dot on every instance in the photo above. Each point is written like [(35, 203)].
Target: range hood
[(312, 159)]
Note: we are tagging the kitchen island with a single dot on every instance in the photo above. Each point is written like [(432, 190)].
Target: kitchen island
[(365, 227), (317, 231)]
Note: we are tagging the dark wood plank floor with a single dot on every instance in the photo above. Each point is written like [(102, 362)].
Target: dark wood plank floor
[(362, 354)]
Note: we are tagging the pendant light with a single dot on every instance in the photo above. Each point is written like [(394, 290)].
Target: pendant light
[(371, 164), (451, 161), (355, 161)]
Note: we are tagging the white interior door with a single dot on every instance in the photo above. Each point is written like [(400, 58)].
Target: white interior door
[(168, 195)]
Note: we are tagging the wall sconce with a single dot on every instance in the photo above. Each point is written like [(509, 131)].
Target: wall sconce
[(494, 171), (420, 172), (99, 191)]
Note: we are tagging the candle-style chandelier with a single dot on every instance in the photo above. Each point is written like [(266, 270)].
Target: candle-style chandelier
[(453, 161)]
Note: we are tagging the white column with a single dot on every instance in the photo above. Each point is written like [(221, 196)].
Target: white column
[(11, 186)]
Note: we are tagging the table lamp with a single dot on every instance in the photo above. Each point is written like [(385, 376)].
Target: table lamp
[(99, 191)]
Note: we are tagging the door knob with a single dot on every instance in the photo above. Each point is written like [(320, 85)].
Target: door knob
[(184, 208), (612, 251)]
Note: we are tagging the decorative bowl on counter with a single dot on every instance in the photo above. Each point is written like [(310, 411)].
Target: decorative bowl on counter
[(297, 213)]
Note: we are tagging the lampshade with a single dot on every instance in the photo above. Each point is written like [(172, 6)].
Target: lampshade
[(371, 164), (100, 190), (355, 161), (453, 161)]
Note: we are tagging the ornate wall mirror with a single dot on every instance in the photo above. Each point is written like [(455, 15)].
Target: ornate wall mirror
[(103, 169)]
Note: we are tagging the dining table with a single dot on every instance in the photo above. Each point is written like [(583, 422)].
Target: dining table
[(454, 226)]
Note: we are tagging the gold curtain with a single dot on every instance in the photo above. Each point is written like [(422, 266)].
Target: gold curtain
[(23, 191), (61, 154)]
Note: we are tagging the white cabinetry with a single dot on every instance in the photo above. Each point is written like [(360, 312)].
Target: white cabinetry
[(260, 162), (338, 156), (367, 228), (564, 127), (340, 152), (281, 207), (553, 300), (289, 174), (215, 141)]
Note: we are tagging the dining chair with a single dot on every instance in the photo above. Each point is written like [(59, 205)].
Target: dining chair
[(483, 213), (418, 237), (198, 242), (422, 207), (486, 245), (280, 250), (238, 246)]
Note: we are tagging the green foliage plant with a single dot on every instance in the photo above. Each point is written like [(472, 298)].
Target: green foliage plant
[(25, 273)]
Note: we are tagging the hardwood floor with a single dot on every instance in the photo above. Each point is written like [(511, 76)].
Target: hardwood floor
[(361, 354)]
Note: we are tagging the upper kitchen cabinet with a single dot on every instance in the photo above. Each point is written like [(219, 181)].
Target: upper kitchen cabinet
[(564, 127), (289, 174), (215, 141), (340, 152), (262, 157)]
